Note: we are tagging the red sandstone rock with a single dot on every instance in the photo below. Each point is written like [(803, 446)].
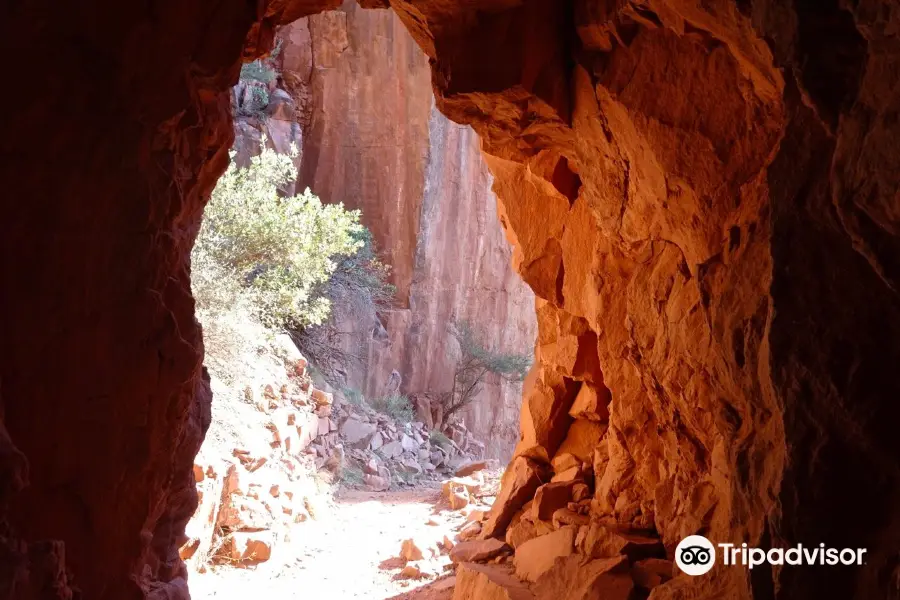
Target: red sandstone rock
[(578, 578), (488, 582), (477, 550), (549, 498), (536, 556), (521, 479), (651, 572)]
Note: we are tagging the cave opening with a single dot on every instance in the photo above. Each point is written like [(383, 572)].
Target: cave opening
[(747, 390)]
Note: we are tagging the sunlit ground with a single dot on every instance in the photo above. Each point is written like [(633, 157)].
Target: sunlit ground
[(345, 554)]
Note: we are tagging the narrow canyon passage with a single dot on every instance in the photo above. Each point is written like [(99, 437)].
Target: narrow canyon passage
[(702, 198)]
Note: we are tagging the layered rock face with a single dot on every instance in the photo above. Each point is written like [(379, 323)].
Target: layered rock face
[(373, 140), (703, 196)]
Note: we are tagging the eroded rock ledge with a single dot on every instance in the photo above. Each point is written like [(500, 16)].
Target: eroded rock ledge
[(703, 195)]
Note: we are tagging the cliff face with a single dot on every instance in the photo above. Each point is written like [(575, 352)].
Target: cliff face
[(373, 140), (702, 195)]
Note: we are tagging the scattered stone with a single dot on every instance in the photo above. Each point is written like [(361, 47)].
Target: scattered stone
[(371, 466), (470, 530), (471, 467), (458, 500), (391, 450), (408, 444), (357, 433), (321, 398), (410, 550), (477, 550), (246, 548), (376, 483)]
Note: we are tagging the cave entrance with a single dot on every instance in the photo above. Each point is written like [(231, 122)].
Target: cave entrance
[(366, 357)]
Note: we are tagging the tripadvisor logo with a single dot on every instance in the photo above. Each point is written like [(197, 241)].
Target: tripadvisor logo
[(696, 555)]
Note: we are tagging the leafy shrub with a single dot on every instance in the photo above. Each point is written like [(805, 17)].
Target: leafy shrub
[(256, 105), (475, 362), (354, 396), (352, 475), (438, 438), (397, 407), (258, 70), (359, 285), (278, 251)]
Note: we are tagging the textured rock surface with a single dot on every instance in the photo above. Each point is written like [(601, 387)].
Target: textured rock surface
[(373, 140), (703, 195)]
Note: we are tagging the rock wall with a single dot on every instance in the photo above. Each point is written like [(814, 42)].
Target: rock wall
[(373, 139), (703, 195)]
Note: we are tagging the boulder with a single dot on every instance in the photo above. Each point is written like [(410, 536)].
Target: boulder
[(519, 483), (458, 500), (377, 441), (535, 557), (549, 498), (242, 513), (488, 582), (651, 572), (370, 466), (564, 461), (471, 467), (408, 444), (519, 532), (391, 450), (321, 398), (602, 541), (566, 516), (357, 433), (591, 403), (376, 483), (410, 550), (583, 436), (467, 484), (477, 550), (243, 548), (577, 577), (470, 530)]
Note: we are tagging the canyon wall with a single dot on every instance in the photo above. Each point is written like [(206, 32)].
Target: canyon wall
[(703, 195), (373, 140)]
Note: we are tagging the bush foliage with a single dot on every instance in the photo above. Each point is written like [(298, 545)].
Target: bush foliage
[(395, 406), (279, 252), (475, 362)]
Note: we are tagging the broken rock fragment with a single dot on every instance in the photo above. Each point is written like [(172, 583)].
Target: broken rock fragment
[(577, 577), (477, 550), (489, 582), (535, 557), (519, 483)]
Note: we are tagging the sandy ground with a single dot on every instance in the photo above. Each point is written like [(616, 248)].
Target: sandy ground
[(350, 553)]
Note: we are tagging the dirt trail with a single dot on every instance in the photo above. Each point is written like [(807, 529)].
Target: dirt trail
[(346, 554)]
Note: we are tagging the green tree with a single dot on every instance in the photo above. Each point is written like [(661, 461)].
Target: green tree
[(476, 361), (280, 251)]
